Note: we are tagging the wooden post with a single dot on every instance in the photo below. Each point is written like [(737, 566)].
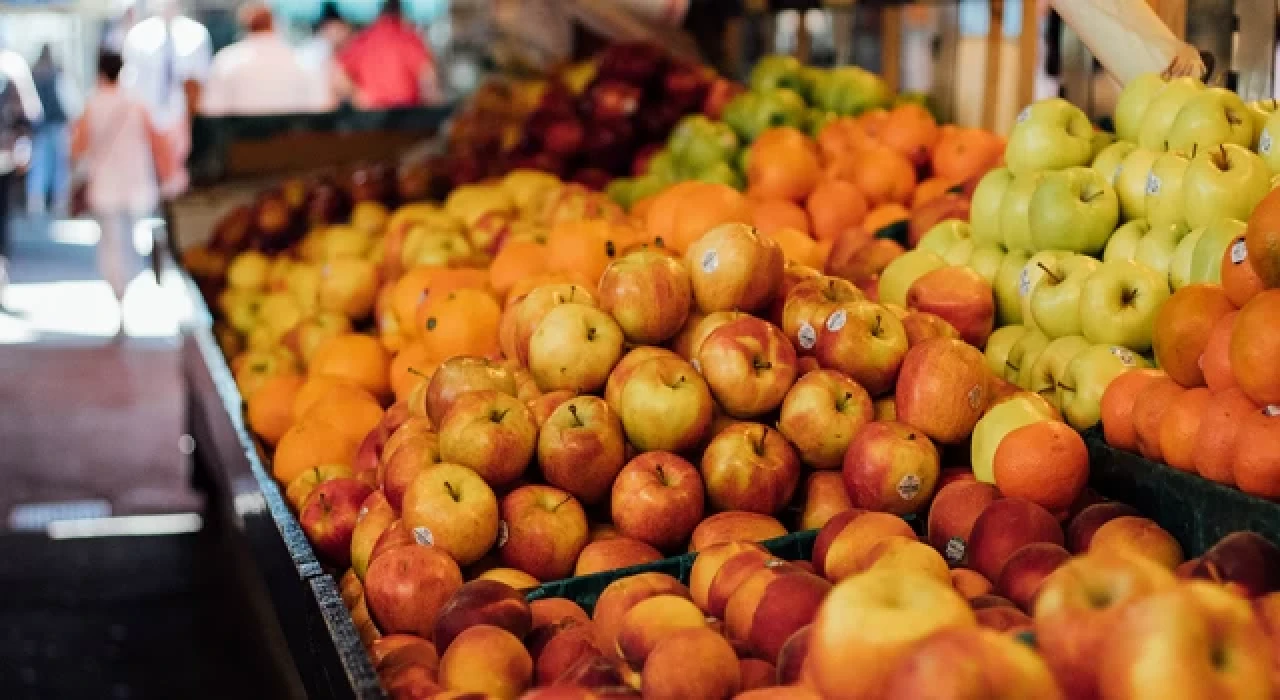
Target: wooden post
[(891, 45), (1028, 52), (1174, 14), (995, 49)]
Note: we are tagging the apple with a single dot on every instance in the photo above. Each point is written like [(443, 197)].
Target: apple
[(1073, 209), (1131, 182), (582, 447), (959, 296), (574, 347), (1008, 287), (1213, 117), (1156, 249), (1206, 259), (1015, 211), (986, 205), (1162, 111), (1049, 135), (861, 261), (546, 530), (808, 305), (1119, 303), (984, 260), (1164, 203), (1267, 146), (1032, 272), (960, 252), (1087, 376), (1051, 365), (1132, 104), (626, 367), (734, 267), (1016, 411), (1054, 301), (1245, 559), (1226, 182), (458, 375), (490, 432), (750, 467), (866, 341), (1123, 244), (1023, 355), (943, 234), (451, 508), (329, 517), (407, 587), (665, 405), (820, 415), (522, 317), (1107, 162), (999, 345), (1180, 263), (749, 365), (942, 389), (658, 499), (648, 293), (898, 276)]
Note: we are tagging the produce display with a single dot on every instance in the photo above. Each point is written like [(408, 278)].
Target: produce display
[(824, 312)]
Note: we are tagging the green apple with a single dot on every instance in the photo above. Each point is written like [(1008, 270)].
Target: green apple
[(1051, 366), (1268, 147), (1259, 112), (1073, 209), (1180, 265), (1119, 303), (939, 238), (1015, 211), (1158, 118), (1101, 140), (1055, 301), (1032, 272), (1131, 183), (1206, 259), (1022, 356), (1049, 135), (1132, 104), (1213, 117), (1156, 249), (898, 276), (999, 344), (1088, 374), (1164, 204), (1006, 286), (960, 252), (1021, 409), (985, 207), (1224, 182), (985, 260), (1107, 163), (1123, 244)]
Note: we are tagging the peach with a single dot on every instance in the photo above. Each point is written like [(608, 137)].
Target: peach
[(410, 681), (756, 673), (607, 676), (735, 525), (1081, 528), (846, 554), (951, 517), (827, 533), (733, 573), (614, 553), (407, 587), (388, 650), (1027, 569), (771, 605), (547, 611), (350, 588), (366, 628), (792, 656), (652, 620), (515, 578), (825, 496), (708, 564), (991, 600), (1002, 618), (970, 583), (555, 648), (667, 673), (1006, 526), (618, 597), (1138, 536), (559, 692), (907, 554), (779, 693), (950, 474), (970, 662), (483, 602), (487, 659)]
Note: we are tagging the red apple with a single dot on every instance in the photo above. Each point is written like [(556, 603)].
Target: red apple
[(961, 297), (865, 341), (890, 467), (665, 405), (458, 375), (546, 530), (734, 267), (658, 499), (329, 518), (750, 467), (649, 295), (943, 389), (581, 448), (749, 365), (820, 415)]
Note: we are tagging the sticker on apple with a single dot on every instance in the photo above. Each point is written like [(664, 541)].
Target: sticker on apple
[(364, 510), (908, 487), (1125, 355), (422, 535), (975, 397), (1271, 410), (504, 534), (807, 336), (1264, 142), (954, 551), (1116, 175), (1153, 184), (697, 366), (1024, 281), (1024, 115), (710, 261), (837, 320), (1239, 252)]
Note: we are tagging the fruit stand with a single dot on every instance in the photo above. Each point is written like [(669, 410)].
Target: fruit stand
[(721, 380)]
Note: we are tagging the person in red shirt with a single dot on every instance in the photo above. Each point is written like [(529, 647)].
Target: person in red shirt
[(388, 64)]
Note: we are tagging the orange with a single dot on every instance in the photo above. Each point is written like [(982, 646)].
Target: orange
[(311, 391), (963, 154), (586, 247), (842, 137), (1117, 406), (1255, 348), (1216, 438), (1239, 280), (883, 217), (270, 408), (360, 359), (411, 366), (350, 409), (784, 164), (1215, 361), (799, 247), (464, 322), (1179, 427), (769, 215), (516, 260), (1148, 410), (1182, 327), (421, 281), (910, 130), (874, 122), (835, 206), (1045, 463), (883, 175), (309, 444), (702, 209), (660, 216), (640, 208), (930, 189), (1263, 238), (1257, 464)]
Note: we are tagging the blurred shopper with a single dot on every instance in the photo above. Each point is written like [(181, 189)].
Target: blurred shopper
[(388, 63), (125, 16), (319, 55), (124, 156), (260, 74), (19, 110), (49, 181)]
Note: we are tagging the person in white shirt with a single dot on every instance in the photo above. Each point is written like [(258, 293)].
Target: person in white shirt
[(318, 54), (166, 59), (260, 74)]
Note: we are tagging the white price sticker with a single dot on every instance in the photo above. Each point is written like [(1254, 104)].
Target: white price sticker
[(807, 336), (908, 487), (1153, 184), (1271, 410), (1024, 115), (1239, 252), (1125, 355), (697, 366), (1024, 281), (1264, 142), (837, 320), (1116, 175), (423, 536), (710, 261), (504, 534)]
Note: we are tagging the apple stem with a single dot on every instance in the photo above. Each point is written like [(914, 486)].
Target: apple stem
[(662, 476), (842, 402), (1056, 279), (679, 380), (417, 373), (759, 364), (496, 416), (591, 334), (577, 421), (1128, 296), (1090, 196), (875, 328), (759, 445), (610, 249), (567, 498), (453, 492), (324, 502)]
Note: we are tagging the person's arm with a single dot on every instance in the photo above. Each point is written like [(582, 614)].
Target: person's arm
[(199, 71), (15, 69), (1128, 38), (80, 136)]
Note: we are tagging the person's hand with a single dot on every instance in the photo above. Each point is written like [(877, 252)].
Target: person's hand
[(1186, 62)]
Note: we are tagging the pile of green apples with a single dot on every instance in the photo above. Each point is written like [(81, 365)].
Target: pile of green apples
[(1084, 235)]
